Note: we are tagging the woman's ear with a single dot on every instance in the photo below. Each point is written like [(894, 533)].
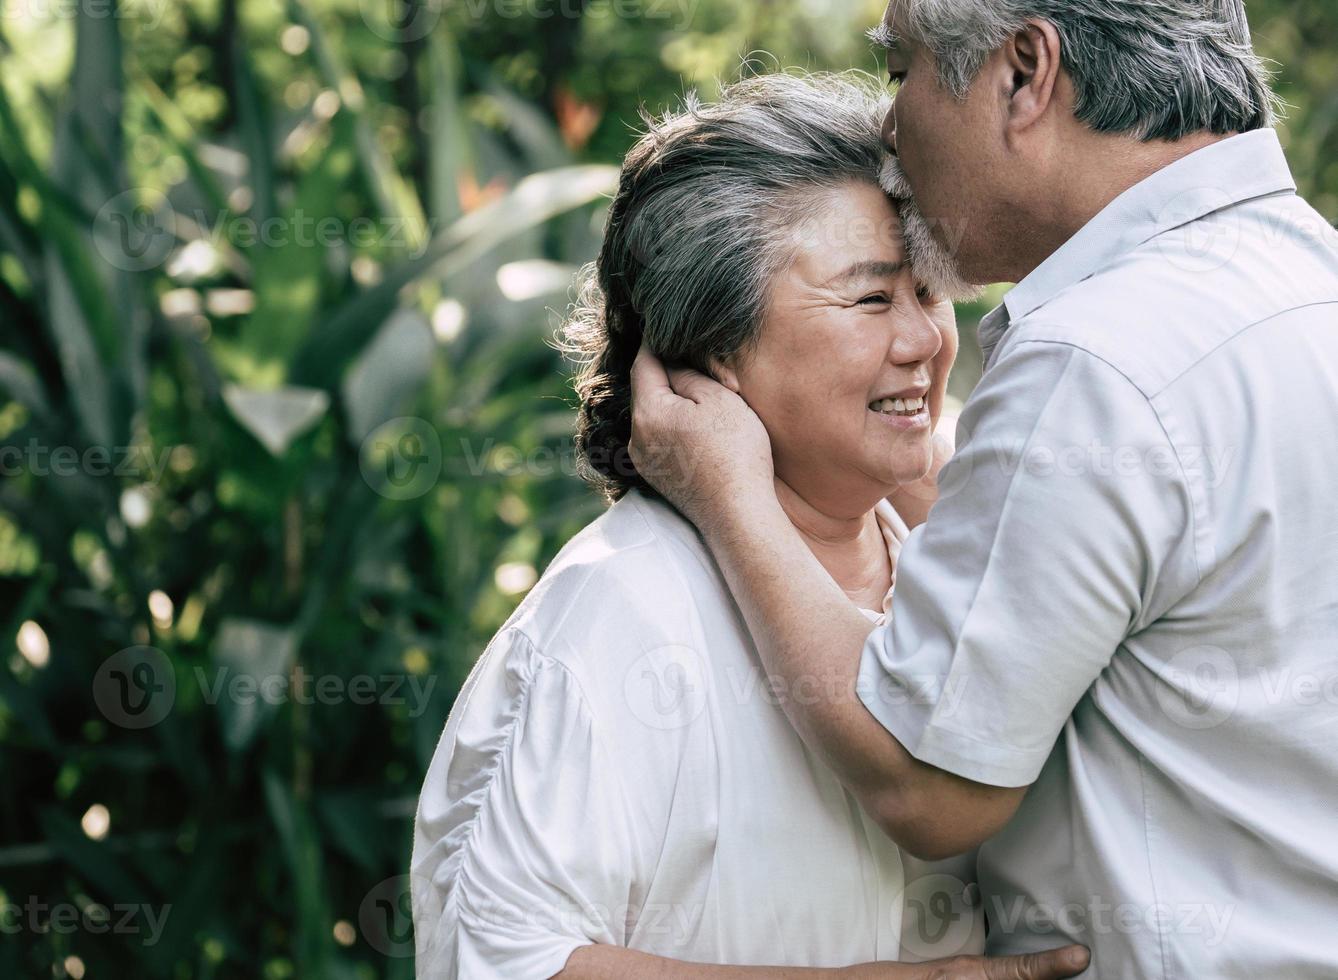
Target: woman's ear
[(723, 371)]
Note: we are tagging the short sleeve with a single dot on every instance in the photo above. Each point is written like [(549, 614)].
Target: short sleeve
[(1064, 509), (521, 846)]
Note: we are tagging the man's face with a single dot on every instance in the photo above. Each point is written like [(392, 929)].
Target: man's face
[(944, 148)]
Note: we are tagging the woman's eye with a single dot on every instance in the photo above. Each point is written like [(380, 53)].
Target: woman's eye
[(875, 299)]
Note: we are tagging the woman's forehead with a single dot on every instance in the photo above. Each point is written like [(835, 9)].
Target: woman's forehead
[(852, 231)]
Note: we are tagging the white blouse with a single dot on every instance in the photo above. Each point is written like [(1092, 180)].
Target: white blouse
[(617, 770)]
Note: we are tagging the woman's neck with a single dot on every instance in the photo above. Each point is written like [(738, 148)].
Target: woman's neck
[(852, 549)]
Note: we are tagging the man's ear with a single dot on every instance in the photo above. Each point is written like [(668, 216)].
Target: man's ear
[(724, 372), (1031, 58)]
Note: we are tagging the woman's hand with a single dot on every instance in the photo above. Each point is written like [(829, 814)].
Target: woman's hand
[(696, 442)]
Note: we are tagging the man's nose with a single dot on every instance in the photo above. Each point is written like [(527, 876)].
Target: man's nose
[(890, 131)]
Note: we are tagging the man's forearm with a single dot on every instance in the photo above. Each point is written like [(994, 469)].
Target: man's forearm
[(810, 638), (600, 962)]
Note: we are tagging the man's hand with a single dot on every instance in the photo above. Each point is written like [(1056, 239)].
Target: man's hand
[(695, 441), (1053, 964), (601, 962)]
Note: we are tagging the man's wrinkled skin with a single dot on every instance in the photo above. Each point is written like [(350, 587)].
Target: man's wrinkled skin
[(616, 963)]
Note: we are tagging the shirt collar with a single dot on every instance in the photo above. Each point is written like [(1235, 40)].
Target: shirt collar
[(1233, 170)]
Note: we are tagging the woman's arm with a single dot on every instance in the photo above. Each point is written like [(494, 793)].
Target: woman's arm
[(702, 447), (599, 962)]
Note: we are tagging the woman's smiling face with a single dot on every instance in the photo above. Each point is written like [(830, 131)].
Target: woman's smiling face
[(849, 370)]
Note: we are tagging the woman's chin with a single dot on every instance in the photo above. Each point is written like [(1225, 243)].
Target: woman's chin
[(908, 462)]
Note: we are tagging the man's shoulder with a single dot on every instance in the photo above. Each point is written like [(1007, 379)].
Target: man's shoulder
[(1186, 295)]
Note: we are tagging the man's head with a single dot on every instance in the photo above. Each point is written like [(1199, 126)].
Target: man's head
[(1009, 113)]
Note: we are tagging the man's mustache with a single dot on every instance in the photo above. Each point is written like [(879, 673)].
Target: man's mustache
[(893, 180)]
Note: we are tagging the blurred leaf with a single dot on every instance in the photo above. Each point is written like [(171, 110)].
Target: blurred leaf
[(301, 846), (21, 382), (535, 131), (253, 125), (93, 861), (394, 196), (354, 825), (183, 136), (449, 149), (276, 417), (253, 661), (388, 372), (534, 200)]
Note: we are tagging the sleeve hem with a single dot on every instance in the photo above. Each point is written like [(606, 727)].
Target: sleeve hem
[(909, 719)]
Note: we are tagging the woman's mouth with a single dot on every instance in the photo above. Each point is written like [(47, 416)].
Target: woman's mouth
[(903, 413), (906, 407)]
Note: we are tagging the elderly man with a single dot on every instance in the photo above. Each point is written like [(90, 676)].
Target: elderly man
[(1110, 660)]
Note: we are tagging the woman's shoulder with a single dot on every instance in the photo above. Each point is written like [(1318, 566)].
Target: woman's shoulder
[(638, 575)]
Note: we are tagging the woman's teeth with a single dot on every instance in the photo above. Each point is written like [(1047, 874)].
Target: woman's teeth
[(898, 406)]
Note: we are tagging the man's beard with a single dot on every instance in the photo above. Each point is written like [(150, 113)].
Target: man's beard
[(933, 262)]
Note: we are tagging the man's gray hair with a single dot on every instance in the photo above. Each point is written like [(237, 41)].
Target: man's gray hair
[(1153, 69), (713, 201)]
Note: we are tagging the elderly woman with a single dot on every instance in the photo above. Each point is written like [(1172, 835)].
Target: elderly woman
[(617, 774)]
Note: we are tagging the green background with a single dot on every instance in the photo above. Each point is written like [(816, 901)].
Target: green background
[(283, 437)]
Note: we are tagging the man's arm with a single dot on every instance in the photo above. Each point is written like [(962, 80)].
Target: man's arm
[(809, 634), (597, 962)]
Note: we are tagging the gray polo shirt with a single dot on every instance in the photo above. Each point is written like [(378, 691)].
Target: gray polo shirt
[(1127, 595)]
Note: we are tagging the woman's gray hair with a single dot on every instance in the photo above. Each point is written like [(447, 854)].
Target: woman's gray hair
[(1153, 69), (710, 206)]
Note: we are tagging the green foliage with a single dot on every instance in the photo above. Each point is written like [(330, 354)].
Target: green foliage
[(283, 443)]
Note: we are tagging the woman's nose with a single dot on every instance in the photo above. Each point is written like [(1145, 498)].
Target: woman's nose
[(890, 131), (919, 340)]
